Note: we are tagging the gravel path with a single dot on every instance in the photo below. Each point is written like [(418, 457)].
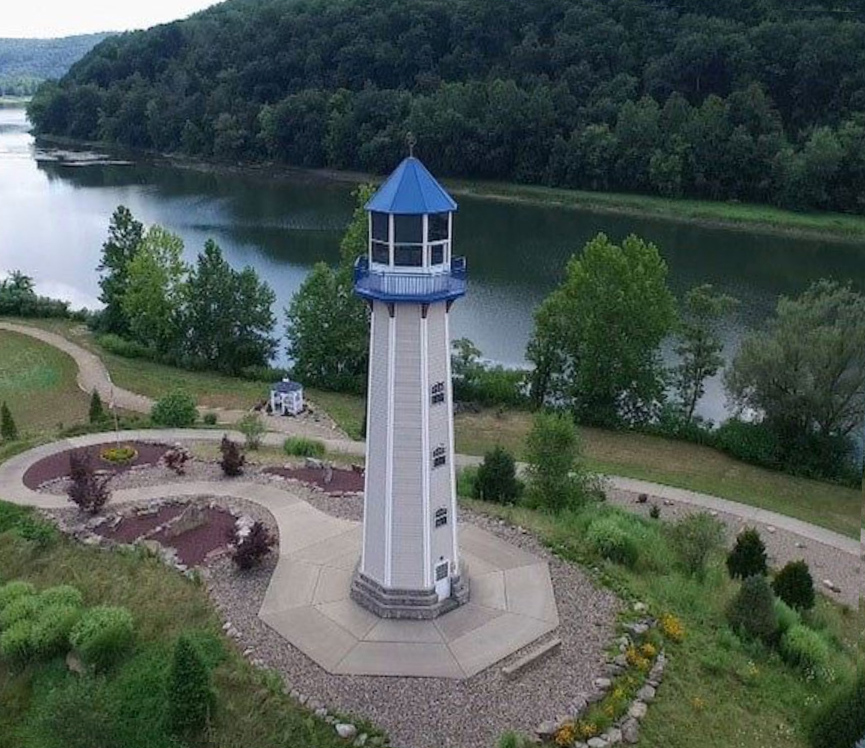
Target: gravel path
[(845, 571)]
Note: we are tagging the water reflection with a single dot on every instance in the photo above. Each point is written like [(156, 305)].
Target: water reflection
[(54, 215)]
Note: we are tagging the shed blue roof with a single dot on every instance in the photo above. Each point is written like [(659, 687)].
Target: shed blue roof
[(285, 386), (411, 190)]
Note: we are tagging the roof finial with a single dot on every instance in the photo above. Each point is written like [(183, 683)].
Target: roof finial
[(412, 142)]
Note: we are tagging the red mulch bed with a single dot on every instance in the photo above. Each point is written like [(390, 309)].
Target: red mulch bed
[(192, 546), (134, 526), (57, 465), (344, 481)]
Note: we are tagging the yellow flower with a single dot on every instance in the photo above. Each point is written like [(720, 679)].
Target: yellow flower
[(672, 628), (648, 650), (566, 735), (698, 704)]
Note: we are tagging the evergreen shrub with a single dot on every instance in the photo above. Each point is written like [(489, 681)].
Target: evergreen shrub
[(191, 698), (496, 478), (748, 556), (751, 613), (795, 585), (840, 721), (49, 634)]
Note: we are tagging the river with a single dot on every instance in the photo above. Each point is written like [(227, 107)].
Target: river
[(54, 216)]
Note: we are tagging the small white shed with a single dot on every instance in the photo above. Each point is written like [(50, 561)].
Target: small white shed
[(286, 398)]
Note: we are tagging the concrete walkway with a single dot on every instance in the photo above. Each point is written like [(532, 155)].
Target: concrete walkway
[(92, 374), (307, 601)]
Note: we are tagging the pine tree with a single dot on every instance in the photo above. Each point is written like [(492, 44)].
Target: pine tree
[(97, 412), (8, 429), (748, 557), (191, 698)]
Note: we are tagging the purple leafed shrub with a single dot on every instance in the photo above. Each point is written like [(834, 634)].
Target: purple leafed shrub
[(89, 491)]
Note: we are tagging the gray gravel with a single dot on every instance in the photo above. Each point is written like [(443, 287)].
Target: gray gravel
[(844, 570)]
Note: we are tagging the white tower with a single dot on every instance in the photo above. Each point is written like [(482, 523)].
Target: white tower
[(410, 565)]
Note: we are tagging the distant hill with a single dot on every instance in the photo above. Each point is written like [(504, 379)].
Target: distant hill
[(24, 63), (752, 100)]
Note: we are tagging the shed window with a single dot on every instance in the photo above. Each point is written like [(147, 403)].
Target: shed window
[(441, 518), (438, 393), (439, 456), (438, 227), (408, 229), (380, 227)]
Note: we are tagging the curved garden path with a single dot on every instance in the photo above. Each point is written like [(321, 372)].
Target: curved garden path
[(93, 374), (831, 556)]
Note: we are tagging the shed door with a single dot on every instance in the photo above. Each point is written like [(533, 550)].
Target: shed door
[(443, 579)]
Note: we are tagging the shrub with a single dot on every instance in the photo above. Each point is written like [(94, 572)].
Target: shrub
[(300, 446), (610, 541), (126, 348), (805, 648), (102, 635), (249, 549), (233, 460), (119, 455), (252, 428), (557, 479), (11, 591), (787, 617), (748, 556), (23, 608), (88, 491), (795, 586), (11, 515), (748, 441), (177, 410), (175, 459), (50, 630), (209, 419), (8, 429), (840, 721), (752, 612), (694, 539), (655, 511), (97, 411), (62, 594), (38, 531), (191, 698), (496, 478), (16, 642)]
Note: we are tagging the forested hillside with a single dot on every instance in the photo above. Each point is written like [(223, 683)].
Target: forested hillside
[(24, 63), (732, 99)]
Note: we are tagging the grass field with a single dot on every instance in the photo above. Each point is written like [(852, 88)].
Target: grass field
[(652, 458), (718, 691), (725, 214), (251, 708), (38, 383)]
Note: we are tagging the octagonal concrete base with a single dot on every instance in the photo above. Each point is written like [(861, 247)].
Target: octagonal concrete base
[(308, 603)]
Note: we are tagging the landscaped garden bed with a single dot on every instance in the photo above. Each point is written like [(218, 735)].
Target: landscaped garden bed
[(340, 480), (57, 467)]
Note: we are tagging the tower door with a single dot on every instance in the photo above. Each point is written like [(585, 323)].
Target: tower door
[(443, 579)]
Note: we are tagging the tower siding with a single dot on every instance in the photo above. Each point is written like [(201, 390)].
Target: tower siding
[(408, 454), (376, 467)]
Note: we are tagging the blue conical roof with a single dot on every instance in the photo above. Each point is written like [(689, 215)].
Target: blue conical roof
[(411, 190)]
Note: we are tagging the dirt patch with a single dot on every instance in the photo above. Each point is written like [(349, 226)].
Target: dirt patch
[(342, 481), (57, 466), (194, 546)]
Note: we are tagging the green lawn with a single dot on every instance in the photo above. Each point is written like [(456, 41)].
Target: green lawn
[(680, 464), (38, 383), (728, 214), (251, 708), (718, 691)]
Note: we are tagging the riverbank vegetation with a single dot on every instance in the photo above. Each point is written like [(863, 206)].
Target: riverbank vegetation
[(671, 98), (45, 705)]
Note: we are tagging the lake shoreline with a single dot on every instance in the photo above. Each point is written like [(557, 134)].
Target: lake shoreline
[(705, 214)]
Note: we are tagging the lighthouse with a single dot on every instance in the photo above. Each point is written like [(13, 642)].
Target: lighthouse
[(410, 565)]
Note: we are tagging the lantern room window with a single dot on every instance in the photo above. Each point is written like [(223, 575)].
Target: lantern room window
[(381, 238), (438, 227)]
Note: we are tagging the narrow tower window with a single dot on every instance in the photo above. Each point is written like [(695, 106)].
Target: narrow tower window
[(439, 457), (441, 518), (438, 393)]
